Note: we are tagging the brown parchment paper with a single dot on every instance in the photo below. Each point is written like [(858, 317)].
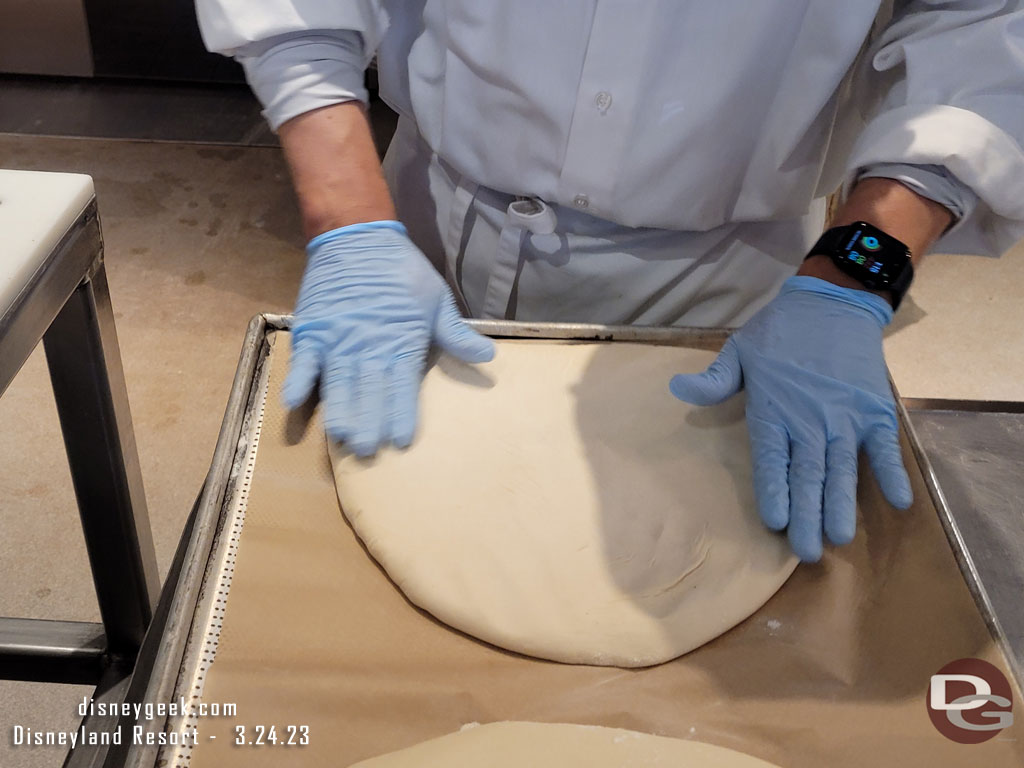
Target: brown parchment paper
[(832, 671)]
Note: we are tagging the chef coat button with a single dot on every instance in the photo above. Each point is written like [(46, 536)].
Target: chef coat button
[(581, 201), (603, 101)]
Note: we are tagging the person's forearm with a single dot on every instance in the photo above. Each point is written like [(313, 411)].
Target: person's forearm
[(335, 168), (915, 221)]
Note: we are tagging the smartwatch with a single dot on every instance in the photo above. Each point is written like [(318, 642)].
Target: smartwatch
[(877, 260)]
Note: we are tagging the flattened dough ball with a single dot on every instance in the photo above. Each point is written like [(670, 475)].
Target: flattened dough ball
[(559, 502), (560, 745)]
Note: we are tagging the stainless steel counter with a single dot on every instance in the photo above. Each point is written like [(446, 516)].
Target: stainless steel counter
[(975, 450)]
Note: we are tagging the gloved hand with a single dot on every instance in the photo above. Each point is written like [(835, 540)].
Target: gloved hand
[(369, 306), (817, 391)]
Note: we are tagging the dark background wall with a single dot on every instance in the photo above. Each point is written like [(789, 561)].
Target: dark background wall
[(157, 39), (153, 39)]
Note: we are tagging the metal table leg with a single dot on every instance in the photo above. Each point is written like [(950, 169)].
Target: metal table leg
[(51, 651), (92, 401)]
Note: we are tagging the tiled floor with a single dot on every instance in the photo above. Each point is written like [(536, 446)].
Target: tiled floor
[(146, 111)]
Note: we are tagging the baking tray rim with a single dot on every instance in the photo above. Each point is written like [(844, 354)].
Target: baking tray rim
[(231, 451)]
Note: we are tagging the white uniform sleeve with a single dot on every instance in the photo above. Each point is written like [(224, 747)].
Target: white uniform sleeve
[(931, 181), (304, 71), (952, 77), (298, 55)]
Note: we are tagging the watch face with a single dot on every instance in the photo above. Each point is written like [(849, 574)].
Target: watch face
[(872, 256)]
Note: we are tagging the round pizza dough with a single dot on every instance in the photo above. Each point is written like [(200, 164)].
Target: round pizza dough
[(561, 503), (560, 745)]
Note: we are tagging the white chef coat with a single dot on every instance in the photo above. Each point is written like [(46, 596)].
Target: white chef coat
[(679, 115)]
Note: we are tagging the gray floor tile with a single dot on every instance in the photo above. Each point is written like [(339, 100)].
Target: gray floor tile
[(112, 109), (147, 111)]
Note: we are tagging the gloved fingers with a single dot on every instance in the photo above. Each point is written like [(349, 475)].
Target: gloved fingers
[(303, 370), (456, 338), (402, 400), (806, 493), (722, 379), (769, 446), (841, 490), (882, 444), (368, 397), (337, 385)]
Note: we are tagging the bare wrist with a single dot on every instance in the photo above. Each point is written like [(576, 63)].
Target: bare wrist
[(823, 268), (893, 208), (887, 204), (335, 168)]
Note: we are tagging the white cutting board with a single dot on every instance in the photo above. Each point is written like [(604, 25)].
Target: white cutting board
[(36, 209)]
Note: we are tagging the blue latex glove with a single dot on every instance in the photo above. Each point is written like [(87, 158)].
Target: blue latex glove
[(369, 306), (817, 391)]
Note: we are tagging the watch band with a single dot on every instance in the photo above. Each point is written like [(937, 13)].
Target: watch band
[(900, 285)]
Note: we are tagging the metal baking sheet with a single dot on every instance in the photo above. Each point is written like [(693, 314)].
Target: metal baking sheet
[(833, 670)]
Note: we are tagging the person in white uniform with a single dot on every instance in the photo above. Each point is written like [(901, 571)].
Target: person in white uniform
[(658, 162)]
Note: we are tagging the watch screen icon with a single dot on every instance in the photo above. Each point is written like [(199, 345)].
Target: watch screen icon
[(871, 243)]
